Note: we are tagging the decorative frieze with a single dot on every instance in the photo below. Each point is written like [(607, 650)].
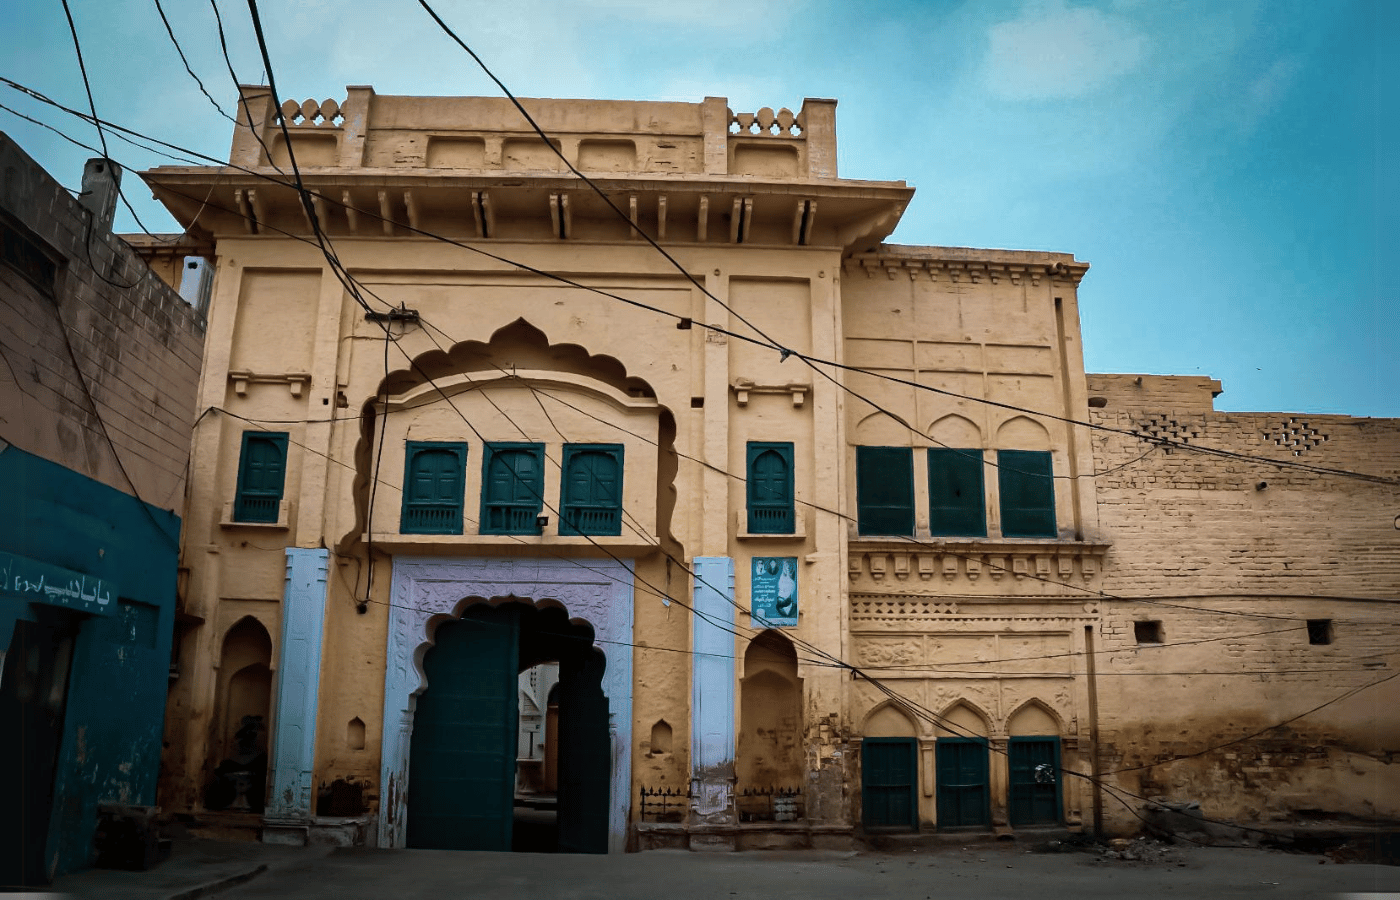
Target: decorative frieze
[(970, 270), (1052, 561)]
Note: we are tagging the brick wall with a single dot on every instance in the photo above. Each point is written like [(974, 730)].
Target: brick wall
[(1232, 556), (137, 343)]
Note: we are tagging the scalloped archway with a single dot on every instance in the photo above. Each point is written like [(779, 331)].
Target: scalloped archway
[(598, 592)]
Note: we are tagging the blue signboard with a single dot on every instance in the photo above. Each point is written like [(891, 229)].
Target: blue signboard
[(22, 578), (773, 591)]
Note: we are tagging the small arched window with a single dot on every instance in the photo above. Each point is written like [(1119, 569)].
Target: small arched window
[(770, 488)]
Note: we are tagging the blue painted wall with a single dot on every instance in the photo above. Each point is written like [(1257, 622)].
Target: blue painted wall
[(111, 741)]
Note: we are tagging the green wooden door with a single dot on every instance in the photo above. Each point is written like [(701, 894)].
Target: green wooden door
[(889, 784), (962, 782), (461, 781), (1035, 780)]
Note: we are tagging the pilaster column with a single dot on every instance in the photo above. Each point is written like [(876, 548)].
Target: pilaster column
[(298, 682), (712, 692)]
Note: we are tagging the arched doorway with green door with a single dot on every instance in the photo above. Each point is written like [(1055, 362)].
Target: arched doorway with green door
[(462, 765), (460, 633)]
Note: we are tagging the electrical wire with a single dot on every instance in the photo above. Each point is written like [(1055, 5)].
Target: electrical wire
[(371, 214), (919, 543), (180, 50), (784, 351), (311, 213)]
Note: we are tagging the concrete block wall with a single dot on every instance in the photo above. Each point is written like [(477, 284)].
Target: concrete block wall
[(137, 343)]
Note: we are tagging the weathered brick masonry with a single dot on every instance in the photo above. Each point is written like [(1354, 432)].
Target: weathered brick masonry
[(137, 342), (1231, 556)]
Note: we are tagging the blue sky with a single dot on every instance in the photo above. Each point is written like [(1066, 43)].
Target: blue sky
[(1229, 168)]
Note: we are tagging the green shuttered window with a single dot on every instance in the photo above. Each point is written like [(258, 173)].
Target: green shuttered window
[(1027, 485), (262, 471), (955, 493), (770, 488), (592, 490), (885, 490), (434, 479), (512, 492)]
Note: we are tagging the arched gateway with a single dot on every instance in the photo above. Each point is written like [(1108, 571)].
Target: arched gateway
[(428, 592)]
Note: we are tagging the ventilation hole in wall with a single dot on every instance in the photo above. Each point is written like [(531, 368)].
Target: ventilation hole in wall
[(697, 402), (1319, 631), (1148, 632), (1296, 436), (661, 737), (1163, 429), (355, 734)]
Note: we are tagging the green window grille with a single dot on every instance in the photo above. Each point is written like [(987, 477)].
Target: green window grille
[(885, 490), (956, 502), (770, 488), (433, 483), (262, 471), (889, 773), (962, 783), (512, 492), (592, 501), (1027, 484), (1033, 795)]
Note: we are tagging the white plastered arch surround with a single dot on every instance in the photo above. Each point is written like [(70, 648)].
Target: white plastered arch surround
[(599, 592)]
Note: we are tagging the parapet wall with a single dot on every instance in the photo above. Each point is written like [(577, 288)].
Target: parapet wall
[(489, 134)]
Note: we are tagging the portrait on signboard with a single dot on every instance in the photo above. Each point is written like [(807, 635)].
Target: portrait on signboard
[(773, 591)]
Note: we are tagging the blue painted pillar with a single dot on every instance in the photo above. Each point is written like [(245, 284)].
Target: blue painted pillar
[(712, 692), (289, 805)]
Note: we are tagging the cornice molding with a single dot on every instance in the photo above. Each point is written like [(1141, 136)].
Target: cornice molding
[(966, 266)]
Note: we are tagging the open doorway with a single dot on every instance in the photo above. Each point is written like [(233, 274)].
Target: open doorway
[(536, 813)]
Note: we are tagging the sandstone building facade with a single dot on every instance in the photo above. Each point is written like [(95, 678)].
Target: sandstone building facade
[(464, 421)]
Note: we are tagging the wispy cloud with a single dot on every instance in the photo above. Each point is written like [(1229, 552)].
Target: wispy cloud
[(1053, 51), (1268, 88)]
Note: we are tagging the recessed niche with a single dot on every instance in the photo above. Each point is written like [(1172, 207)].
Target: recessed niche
[(456, 153), (660, 737), (607, 156), (355, 734)]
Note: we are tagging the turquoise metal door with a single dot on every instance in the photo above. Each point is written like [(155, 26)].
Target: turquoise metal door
[(962, 782), (1035, 780), (461, 781), (889, 784)]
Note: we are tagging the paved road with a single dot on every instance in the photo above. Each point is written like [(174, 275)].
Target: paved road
[(988, 871)]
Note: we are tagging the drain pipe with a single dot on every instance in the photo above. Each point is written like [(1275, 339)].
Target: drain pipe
[(1092, 666)]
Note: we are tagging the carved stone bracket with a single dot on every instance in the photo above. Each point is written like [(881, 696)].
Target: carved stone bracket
[(743, 387), (296, 382)]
